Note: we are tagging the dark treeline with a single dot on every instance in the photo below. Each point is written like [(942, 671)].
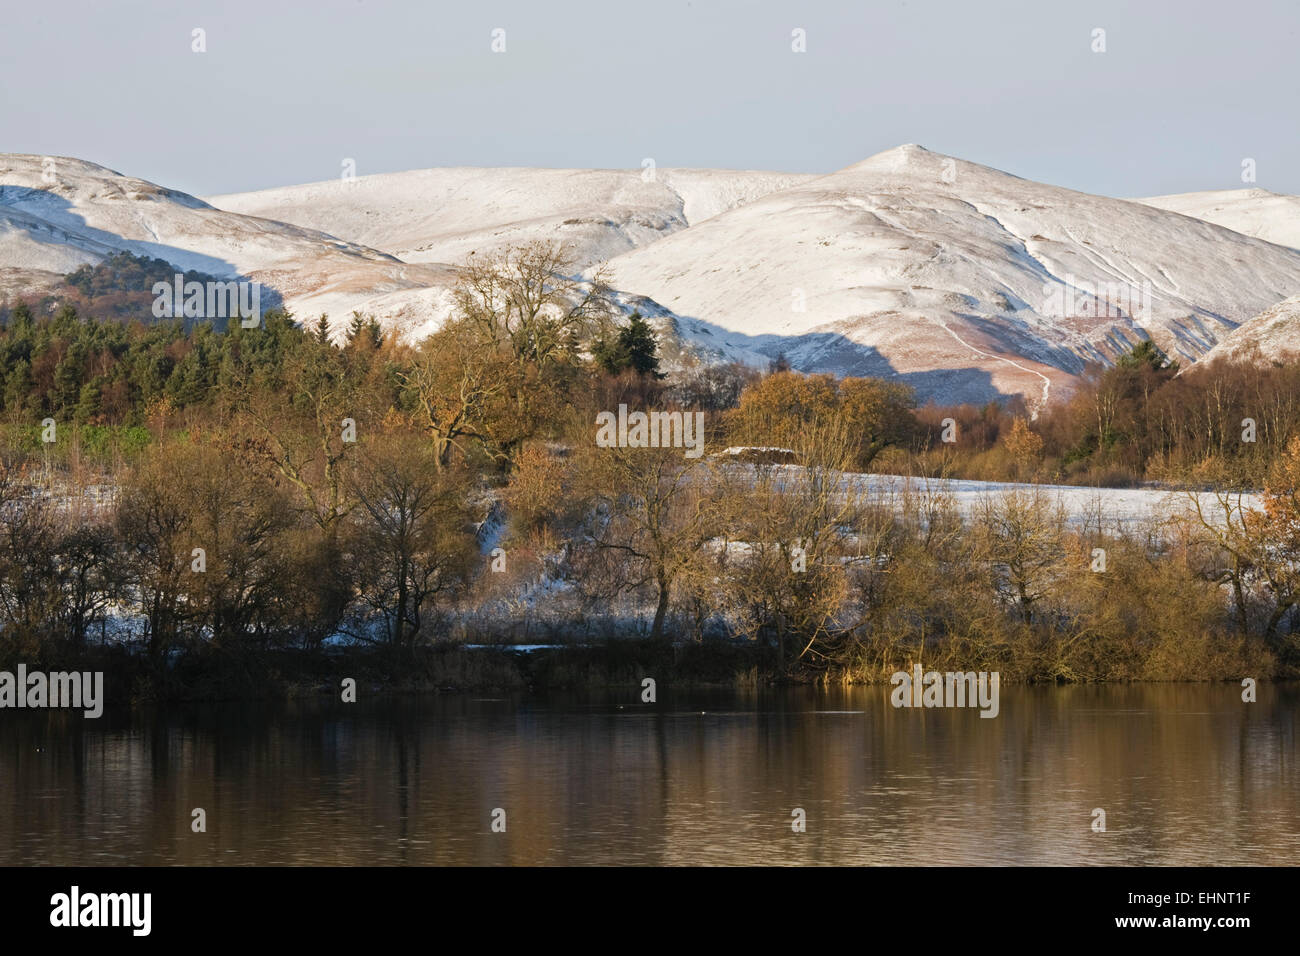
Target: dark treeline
[(208, 497)]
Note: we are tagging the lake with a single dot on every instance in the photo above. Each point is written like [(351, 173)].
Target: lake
[(1186, 774)]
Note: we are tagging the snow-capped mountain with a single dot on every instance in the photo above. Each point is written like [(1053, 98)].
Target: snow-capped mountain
[(1272, 217), (967, 282), (964, 280)]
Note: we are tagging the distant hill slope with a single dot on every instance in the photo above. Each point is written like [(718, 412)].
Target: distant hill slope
[(444, 214), (1273, 217), (60, 214), (1273, 335)]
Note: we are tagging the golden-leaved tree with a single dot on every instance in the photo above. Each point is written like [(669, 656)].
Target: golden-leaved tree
[(781, 408)]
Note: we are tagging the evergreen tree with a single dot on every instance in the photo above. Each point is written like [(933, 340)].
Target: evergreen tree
[(1147, 353), (18, 386), (609, 355), (68, 376), (638, 341), (356, 326), (21, 317), (634, 347), (365, 332), (89, 405)]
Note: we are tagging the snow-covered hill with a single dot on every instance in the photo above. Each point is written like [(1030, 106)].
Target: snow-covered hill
[(1273, 217), (58, 213), (1272, 335), (967, 282), (444, 214), (954, 276)]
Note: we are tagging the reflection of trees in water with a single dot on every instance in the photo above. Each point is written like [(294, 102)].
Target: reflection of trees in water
[(1186, 774)]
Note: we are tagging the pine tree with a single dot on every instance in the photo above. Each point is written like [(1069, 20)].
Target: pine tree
[(66, 390), (634, 347), (21, 317), (1147, 353), (638, 341), (609, 354), (365, 332), (356, 326), (89, 404)]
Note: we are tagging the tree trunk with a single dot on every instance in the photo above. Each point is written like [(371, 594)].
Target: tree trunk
[(441, 451), (400, 624), (1276, 618), (657, 631), (780, 644), (1239, 595)]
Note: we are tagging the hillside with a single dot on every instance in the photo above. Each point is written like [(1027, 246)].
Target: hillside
[(1272, 335), (48, 228), (444, 214), (950, 284), (966, 282), (1252, 212)]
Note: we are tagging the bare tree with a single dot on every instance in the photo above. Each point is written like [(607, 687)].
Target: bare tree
[(455, 378), (304, 439), (412, 542), (529, 300), (789, 546), (650, 512), (1021, 536)]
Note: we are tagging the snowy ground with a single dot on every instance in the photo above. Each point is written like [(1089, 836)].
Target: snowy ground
[(1116, 507), (1112, 508)]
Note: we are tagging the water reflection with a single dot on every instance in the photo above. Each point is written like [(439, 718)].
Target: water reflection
[(1187, 774)]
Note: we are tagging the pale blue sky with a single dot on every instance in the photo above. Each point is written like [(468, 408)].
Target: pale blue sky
[(287, 90)]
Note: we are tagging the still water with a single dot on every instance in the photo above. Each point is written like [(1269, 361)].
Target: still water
[(1186, 774)]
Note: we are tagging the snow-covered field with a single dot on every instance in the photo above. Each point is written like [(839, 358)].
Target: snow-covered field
[(1114, 508)]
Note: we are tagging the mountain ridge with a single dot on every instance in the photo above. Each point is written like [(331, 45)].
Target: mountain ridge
[(968, 282)]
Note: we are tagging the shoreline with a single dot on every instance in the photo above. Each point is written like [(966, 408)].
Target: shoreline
[(211, 675)]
